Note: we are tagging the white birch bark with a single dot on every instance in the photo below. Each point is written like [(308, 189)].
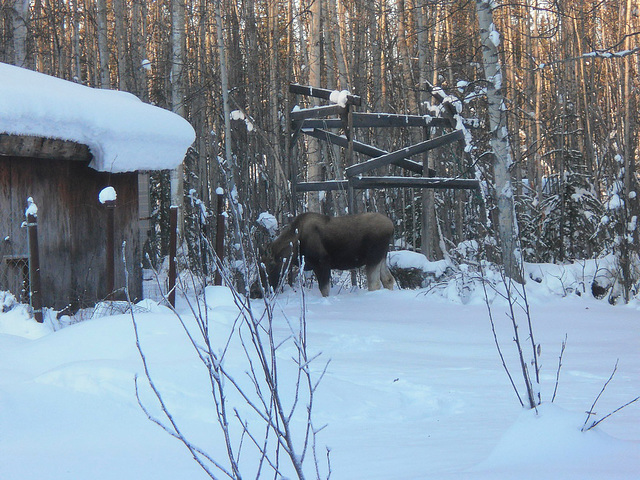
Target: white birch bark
[(177, 93), (20, 18), (502, 162), (314, 169)]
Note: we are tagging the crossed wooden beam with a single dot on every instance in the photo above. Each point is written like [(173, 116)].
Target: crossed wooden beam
[(314, 122)]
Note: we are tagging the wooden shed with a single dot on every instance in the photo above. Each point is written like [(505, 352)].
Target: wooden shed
[(61, 143)]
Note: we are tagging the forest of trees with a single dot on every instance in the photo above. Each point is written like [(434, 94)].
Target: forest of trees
[(569, 80)]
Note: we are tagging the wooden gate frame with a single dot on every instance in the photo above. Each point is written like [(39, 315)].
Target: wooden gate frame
[(315, 122)]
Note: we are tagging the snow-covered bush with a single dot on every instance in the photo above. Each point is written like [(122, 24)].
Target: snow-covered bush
[(413, 270), (7, 301), (565, 224)]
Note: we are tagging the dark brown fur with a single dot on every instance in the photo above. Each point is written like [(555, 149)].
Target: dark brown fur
[(340, 243)]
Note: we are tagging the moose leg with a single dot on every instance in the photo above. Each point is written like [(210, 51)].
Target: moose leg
[(324, 279), (373, 276), (385, 275)]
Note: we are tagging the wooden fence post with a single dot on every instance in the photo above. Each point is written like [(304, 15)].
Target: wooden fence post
[(111, 268), (173, 248), (107, 197), (34, 260), (219, 235)]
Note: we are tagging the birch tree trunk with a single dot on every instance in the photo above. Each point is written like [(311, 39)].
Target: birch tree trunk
[(177, 95), (314, 169), (502, 162), (20, 15)]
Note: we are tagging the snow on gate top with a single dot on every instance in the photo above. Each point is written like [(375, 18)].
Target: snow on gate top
[(123, 133)]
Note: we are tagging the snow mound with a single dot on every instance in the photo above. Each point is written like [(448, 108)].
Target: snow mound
[(18, 322), (409, 259), (539, 445), (123, 133), (218, 296)]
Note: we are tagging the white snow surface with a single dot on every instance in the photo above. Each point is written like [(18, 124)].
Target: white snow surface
[(414, 389), (123, 133)]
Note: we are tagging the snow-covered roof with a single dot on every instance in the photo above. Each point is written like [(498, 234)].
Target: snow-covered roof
[(123, 133)]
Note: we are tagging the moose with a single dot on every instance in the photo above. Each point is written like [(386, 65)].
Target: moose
[(325, 243)]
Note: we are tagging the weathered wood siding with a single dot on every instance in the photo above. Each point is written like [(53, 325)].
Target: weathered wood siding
[(71, 228)]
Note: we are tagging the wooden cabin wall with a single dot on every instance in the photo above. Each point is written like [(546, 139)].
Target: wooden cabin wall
[(71, 228)]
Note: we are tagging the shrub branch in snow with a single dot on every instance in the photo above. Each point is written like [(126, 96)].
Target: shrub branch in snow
[(497, 343), (173, 429), (515, 295), (264, 415), (592, 412), (555, 388)]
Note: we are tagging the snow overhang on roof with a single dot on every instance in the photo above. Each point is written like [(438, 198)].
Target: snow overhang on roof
[(123, 133)]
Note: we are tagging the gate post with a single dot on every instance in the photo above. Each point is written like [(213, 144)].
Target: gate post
[(35, 296)]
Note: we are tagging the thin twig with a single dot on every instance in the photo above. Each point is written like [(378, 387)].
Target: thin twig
[(555, 390), (516, 338), (495, 339), (594, 424), (174, 434), (593, 406)]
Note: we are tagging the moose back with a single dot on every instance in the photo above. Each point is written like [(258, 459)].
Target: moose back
[(327, 243)]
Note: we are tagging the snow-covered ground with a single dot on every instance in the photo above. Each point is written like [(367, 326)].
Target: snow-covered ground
[(414, 389)]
